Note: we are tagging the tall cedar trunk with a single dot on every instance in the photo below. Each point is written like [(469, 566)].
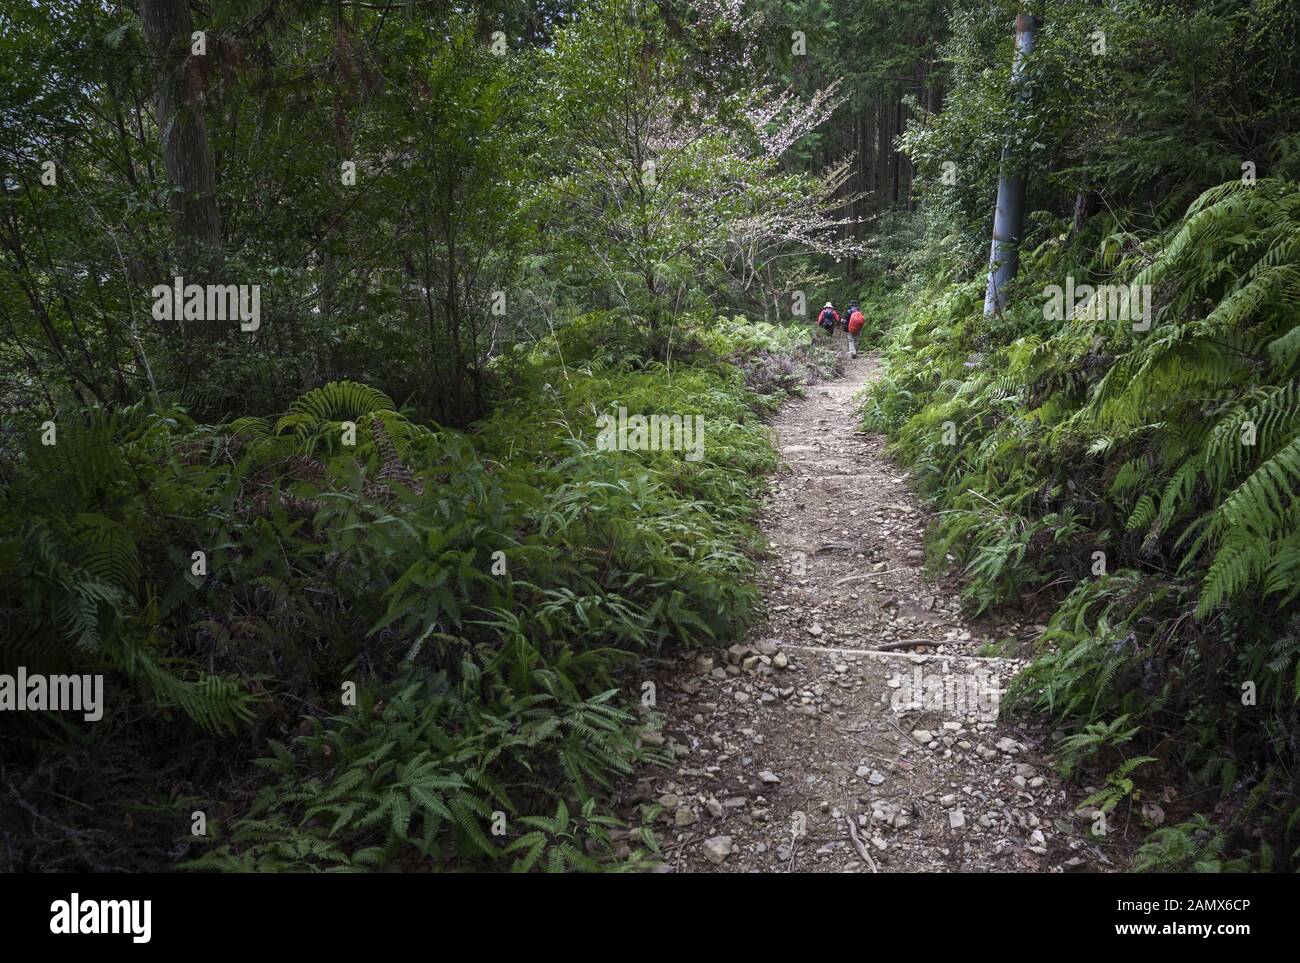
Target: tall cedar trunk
[(864, 158), (933, 92), (184, 137), (869, 157), (848, 137), (934, 96), (906, 163), (451, 305), (882, 153), (895, 157)]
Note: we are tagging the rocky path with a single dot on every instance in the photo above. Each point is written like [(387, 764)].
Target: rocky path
[(807, 749)]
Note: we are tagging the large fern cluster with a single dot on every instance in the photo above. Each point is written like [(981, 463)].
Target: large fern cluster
[(1174, 452), (81, 593)]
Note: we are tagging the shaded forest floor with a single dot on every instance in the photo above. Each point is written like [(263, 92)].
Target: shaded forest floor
[(803, 749)]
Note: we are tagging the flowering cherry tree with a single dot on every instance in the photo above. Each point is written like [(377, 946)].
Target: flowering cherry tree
[(668, 191)]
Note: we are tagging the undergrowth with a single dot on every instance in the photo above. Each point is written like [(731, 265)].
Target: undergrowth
[(1142, 479), (424, 636)]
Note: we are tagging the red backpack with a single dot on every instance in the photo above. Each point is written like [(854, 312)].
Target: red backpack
[(856, 321)]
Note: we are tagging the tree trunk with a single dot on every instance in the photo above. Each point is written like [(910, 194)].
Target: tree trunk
[(896, 157), (1082, 207), (934, 96), (1009, 214), (184, 137), (882, 152)]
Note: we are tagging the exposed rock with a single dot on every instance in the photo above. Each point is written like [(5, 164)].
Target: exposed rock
[(717, 849)]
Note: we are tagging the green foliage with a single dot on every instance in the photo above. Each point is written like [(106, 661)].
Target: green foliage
[(606, 553), (395, 478), (1119, 783), (1194, 846), (1172, 452), (413, 778), (385, 280), (503, 273), (562, 843), (483, 591), (82, 512)]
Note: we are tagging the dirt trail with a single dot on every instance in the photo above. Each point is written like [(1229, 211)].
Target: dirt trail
[(795, 743)]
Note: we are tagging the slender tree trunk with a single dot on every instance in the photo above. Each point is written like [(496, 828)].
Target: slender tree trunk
[(896, 158), (869, 157), (1009, 214), (882, 153), (934, 96), (1082, 207)]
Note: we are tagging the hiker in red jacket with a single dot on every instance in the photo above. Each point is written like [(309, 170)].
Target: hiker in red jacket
[(828, 318), (854, 321)]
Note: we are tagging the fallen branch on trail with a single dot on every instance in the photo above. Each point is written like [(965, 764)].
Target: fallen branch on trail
[(904, 644), (860, 846), (861, 578)]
